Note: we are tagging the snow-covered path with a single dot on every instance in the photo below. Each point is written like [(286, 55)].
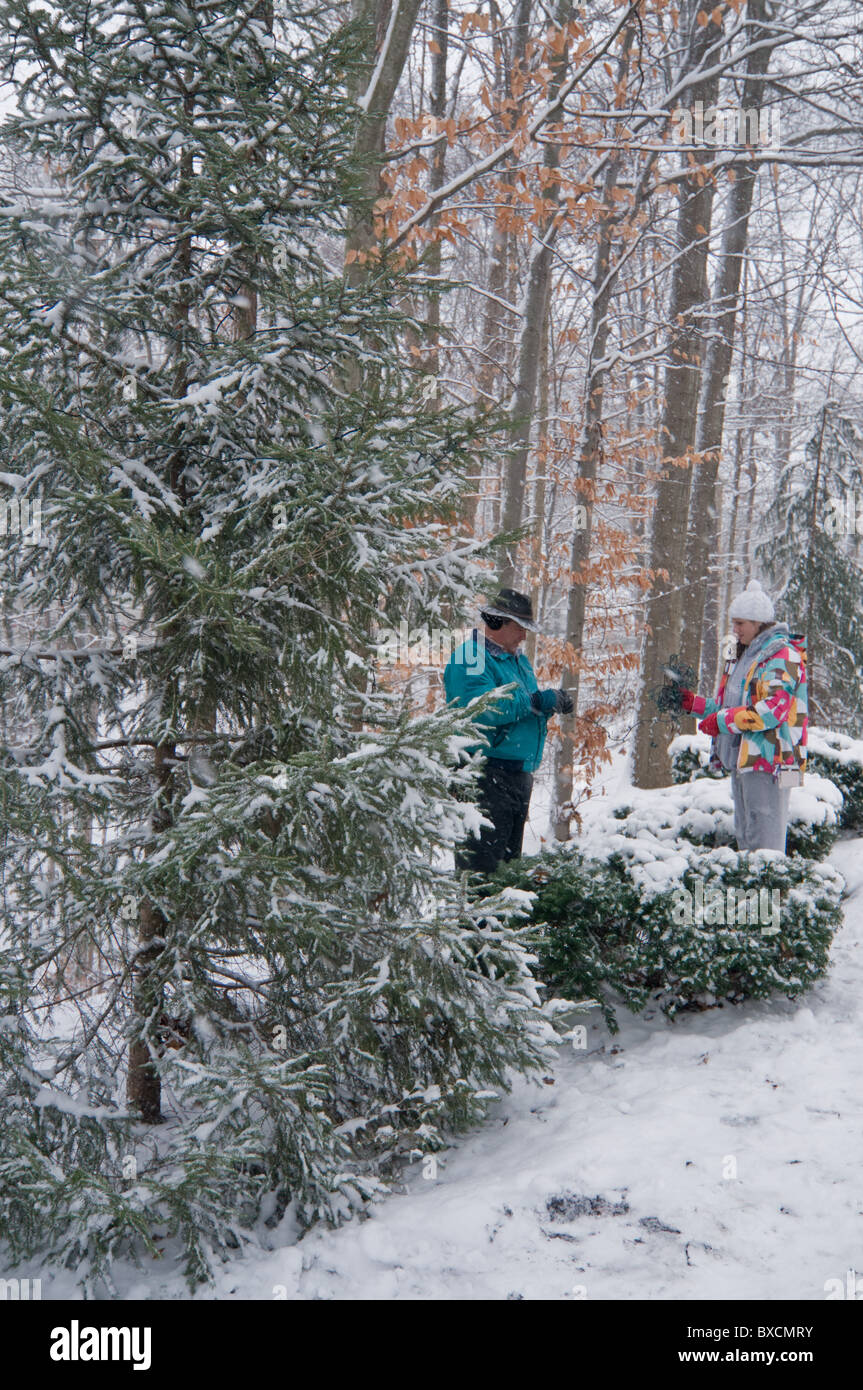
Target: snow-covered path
[(716, 1157)]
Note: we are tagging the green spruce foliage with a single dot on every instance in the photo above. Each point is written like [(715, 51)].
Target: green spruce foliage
[(815, 564), (237, 981)]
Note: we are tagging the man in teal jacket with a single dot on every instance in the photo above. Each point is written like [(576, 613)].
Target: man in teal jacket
[(513, 725)]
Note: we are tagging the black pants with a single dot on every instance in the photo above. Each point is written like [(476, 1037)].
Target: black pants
[(504, 796)]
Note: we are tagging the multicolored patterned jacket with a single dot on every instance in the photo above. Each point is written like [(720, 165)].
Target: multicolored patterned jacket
[(773, 719)]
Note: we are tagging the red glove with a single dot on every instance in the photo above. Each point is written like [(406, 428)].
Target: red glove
[(692, 703), (709, 725)]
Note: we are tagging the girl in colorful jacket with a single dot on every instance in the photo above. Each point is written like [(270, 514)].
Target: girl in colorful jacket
[(758, 720)]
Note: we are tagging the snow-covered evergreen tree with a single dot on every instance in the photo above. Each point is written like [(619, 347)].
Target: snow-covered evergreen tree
[(814, 561), (235, 978)]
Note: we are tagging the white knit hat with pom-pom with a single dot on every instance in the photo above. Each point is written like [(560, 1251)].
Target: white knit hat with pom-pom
[(753, 604)]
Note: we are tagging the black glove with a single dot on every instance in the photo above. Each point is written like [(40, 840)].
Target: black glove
[(550, 702)]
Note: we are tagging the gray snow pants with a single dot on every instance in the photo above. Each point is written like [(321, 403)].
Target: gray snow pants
[(760, 810)]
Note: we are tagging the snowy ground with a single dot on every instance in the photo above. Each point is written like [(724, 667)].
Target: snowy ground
[(715, 1157)]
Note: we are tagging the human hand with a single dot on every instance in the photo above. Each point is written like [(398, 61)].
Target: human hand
[(692, 703)]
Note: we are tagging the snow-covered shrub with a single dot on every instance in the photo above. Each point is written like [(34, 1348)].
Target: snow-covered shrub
[(649, 918), (701, 808), (841, 759), (590, 913), (689, 758)]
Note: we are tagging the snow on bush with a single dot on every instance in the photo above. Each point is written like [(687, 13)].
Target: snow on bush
[(650, 906), (689, 758), (700, 806), (605, 934), (841, 759)]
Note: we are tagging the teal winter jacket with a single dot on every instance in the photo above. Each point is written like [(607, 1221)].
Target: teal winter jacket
[(514, 729)]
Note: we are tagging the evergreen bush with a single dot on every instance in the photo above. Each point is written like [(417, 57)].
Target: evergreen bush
[(817, 810), (612, 926), (840, 758)]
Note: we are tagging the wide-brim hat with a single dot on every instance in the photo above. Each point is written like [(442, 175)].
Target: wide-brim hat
[(509, 603)]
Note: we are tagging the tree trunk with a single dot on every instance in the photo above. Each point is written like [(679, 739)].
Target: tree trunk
[(539, 495), (590, 453), (387, 34), (685, 350), (438, 169), (752, 471), (494, 351), (811, 627), (728, 570), (143, 1086), (535, 310), (704, 527), (495, 358)]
